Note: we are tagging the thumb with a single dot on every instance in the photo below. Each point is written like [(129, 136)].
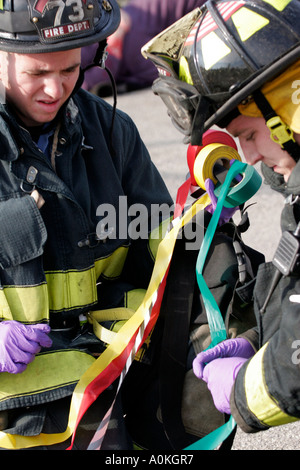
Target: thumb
[(201, 360), (210, 188)]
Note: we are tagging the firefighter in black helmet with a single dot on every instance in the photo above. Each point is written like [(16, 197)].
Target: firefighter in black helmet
[(236, 64), (61, 160)]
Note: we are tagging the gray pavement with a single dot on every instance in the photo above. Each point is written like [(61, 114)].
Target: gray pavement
[(168, 152)]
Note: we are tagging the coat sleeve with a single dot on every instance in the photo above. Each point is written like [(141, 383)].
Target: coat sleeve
[(22, 231), (149, 203), (266, 392)]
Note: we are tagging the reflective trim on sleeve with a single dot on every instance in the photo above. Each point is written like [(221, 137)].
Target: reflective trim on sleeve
[(111, 267), (157, 235), (71, 289), (63, 291), (259, 401), (77, 288), (48, 371), (27, 304)]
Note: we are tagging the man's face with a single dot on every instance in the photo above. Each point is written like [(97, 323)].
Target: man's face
[(255, 141), (37, 85)]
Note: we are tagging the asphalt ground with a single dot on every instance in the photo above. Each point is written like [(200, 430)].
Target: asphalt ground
[(168, 152)]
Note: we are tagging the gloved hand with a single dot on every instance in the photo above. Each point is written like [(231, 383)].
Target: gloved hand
[(236, 347), (220, 375), (20, 343), (226, 212)]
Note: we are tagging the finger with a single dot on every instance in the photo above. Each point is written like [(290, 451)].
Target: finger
[(42, 331), (39, 334), (24, 345), (198, 367), (19, 368), (24, 357), (201, 360), (210, 188), (11, 366), (38, 198)]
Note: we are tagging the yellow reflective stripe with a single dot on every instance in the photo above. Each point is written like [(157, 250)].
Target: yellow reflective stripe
[(157, 235), (278, 4), (64, 290), (119, 345), (184, 71), (75, 289), (71, 289), (248, 22), (213, 50), (134, 298), (24, 304), (48, 371), (259, 401), (112, 265)]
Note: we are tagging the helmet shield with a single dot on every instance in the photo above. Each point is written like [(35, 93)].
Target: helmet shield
[(181, 100), (36, 26), (231, 49)]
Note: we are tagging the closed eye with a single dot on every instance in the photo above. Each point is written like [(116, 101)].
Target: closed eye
[(250, 137)]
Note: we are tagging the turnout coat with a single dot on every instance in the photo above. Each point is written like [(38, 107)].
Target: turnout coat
[(267, 389), (59, 262)]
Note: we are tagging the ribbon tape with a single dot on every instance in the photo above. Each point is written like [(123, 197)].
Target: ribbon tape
[(119, 354), (207, 159), (215, 319)]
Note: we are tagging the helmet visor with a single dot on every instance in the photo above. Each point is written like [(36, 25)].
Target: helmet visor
[(181, 100)]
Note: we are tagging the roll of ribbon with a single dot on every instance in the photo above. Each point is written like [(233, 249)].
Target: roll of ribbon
[(204, 166), (244, 190), (208, 157), (211, 136)]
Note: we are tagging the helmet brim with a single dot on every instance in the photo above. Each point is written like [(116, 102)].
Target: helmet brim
[(30, 42), (255, 84)]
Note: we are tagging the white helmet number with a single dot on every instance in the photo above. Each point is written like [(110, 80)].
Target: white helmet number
[(78, 13)]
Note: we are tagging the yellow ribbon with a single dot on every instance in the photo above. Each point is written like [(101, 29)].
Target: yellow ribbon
[(119, 342)]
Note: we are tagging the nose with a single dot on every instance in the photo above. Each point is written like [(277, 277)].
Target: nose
[(53, 87), (250, 152)]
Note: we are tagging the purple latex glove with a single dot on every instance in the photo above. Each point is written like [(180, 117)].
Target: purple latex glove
[(226, 212), (236, 347), (220, 375), (20, 343)]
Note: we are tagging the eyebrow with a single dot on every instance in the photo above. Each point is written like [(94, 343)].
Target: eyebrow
[(237, 133), (72, 67), (45, 70)]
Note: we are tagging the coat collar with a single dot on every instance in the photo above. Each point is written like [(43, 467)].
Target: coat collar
[(276, 181), (13, 136)]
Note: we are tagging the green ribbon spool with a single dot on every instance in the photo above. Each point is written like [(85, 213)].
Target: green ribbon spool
[(240, 193)]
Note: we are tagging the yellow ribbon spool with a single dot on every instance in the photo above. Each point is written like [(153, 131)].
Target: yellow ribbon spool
[(207, 159)]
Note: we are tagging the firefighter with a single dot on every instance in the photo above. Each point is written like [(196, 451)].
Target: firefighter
[(236, 65), (66, 155)]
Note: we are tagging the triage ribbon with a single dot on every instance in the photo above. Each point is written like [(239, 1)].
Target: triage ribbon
[(214, 316), (117, 357)]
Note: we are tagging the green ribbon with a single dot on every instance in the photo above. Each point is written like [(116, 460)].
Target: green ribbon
[(215, 319)]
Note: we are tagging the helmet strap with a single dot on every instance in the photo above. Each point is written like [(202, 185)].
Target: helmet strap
[(281, 133), (200, 117), (99, 61)]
